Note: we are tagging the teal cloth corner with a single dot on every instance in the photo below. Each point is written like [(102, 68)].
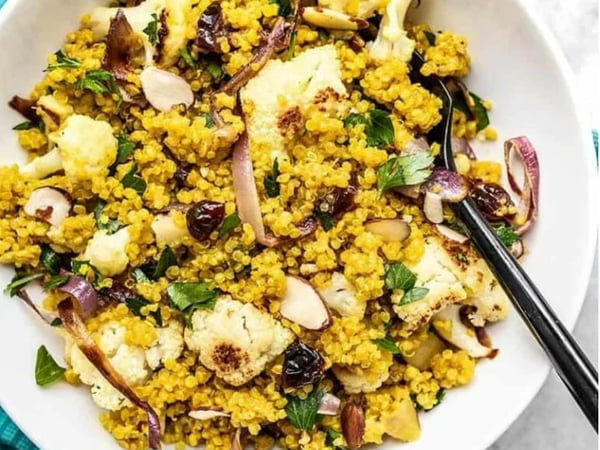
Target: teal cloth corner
[(11, 438)]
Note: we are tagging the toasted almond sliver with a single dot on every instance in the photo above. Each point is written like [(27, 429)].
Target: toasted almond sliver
[(332, 20), (206, 414)]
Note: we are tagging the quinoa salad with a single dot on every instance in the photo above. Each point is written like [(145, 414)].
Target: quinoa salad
[(232, 214)]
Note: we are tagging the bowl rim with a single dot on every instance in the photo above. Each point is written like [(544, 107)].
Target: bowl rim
[(550, 42)]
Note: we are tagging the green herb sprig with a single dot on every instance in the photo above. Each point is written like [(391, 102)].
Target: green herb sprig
[(404, 171)]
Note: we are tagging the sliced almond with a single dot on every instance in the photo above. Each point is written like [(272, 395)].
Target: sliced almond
[(433, 208), (331, 20), (517, 249), (302, 304), (165, 89), (206, 414), (49, 204), (389, 229), (353, 425), (450, 234), (458, 333)]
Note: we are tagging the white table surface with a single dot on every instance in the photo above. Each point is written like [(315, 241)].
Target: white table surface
[(552, 421)]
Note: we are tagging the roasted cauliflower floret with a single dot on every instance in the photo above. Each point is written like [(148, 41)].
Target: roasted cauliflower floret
[(434, 273), (236, 340), (340, 296), (85, 149), (133, 362), (275, 100), (107, 253), (169, 13), (453, 273), (448, 57), (168, 346), (356, 379), (392, 40)]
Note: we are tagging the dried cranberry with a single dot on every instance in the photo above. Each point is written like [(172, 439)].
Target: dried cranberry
[(203, 218), (302, 365), (492, 200), (211, 26), (271, 429)]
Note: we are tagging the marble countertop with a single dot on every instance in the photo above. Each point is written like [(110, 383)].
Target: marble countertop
[(553, 421)]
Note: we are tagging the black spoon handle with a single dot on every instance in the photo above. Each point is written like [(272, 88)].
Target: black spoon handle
[(569, 361)]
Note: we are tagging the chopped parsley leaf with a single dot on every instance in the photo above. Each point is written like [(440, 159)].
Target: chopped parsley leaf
[(404, 171)]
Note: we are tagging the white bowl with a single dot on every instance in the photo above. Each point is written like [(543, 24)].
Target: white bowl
[(517, 64)]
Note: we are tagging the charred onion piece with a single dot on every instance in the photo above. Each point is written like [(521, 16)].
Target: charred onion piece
[(302, 304), (302, 365), (203, 218), (49, 204), (74, 325), (451, 186), (82, 291), (25, 107), (390, 230), (211, 27), (258, 61), (492, 200), (120, 46), (246, 195), (529, 192)]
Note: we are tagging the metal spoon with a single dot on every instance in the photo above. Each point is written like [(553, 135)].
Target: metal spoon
[(573, 367)]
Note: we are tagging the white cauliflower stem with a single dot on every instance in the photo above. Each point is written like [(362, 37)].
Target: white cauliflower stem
[(85, 148), (392, 40), (236, 340)]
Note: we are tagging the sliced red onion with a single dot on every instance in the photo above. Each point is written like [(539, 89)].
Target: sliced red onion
[(260, 58), (206, 414), (433, 208), (307, 226), (73, 324), (462, 146), (246, 195), (389, 229), (33, 295), (450, 186), (82, 291), (451, 234), (278, 35), (529, 191), (329, 405)]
